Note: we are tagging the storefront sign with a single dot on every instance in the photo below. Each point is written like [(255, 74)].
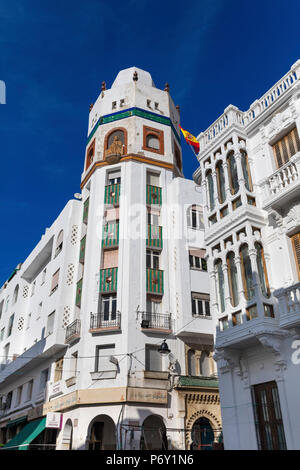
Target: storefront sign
[(54, 420)]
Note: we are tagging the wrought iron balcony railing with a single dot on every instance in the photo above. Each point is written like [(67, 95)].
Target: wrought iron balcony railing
[(108, 320), (156, 321), (73, 331)]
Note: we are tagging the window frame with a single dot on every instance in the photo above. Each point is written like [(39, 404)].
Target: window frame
[(159, 134)]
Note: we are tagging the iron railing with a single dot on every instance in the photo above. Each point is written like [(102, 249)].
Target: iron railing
[(73, 331), (159, 321)]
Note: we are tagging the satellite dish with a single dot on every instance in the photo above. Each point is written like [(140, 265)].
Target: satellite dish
[(78, 196)]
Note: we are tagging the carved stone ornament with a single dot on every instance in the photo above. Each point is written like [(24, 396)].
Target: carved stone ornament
[(114, 152)]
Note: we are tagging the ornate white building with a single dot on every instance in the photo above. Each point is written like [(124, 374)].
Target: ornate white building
[(122, 269), (250, 175)]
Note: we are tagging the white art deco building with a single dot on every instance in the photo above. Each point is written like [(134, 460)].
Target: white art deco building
[(121, 271), (250, 175)]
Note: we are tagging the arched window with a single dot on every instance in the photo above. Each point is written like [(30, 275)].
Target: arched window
[(191, 362), (16, 292), (59, 242), (210, 187), (220, 182), (220, 284), (205, 364), (111, 138), (232, 279), (232, 173), (262, 270), (246, 172), (246, 272)]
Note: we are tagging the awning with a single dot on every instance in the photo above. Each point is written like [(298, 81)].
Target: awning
[(26, 435)]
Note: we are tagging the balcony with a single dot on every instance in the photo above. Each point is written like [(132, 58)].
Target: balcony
[(112, 194), (283, 185), (289, 306), (156, 322), (154, 237), (153, 195), (247, 327), (155, 281), (108, 280), (110, 235), (105, 322), (73, 332)]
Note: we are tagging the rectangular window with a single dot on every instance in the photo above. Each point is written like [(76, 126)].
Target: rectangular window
[(58, 371), (8, 400), (152, 259), (153, 359), (154, 304), (195, 218), (153, 178), (54, 283), (153, 140), (268, 418), (200, 304), (114, 177), (103, 354), (19, 395), (110, 259), (44, 379), (286, 147), (43, 276), (197, 259), (153, 217), (29, 390), (50, 323), (109, 307)]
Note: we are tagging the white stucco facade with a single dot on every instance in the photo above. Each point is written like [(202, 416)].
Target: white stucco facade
[(84, 294), (251, 233)]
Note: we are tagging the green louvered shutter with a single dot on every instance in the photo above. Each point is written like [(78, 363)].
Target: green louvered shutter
[(78, 293), (112, 194), (155, 281), (108, 280), (85, 210), (153, 195), (82, 249)]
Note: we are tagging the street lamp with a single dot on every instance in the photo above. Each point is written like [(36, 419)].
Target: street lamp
[(164, 349)]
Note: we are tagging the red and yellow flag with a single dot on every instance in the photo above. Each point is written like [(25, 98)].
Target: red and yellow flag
[(191, 140)]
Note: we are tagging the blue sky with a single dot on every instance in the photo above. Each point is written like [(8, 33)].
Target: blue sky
[(55, 54)]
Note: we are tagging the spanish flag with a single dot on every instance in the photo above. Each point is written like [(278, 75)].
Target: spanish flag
[(191, 140)]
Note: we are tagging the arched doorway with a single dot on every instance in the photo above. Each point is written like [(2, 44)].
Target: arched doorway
[(202, 435), (102, 434), (67, 436), (154, 436)]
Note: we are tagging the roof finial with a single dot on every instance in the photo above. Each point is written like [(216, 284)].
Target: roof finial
[(91, 106), (135, 76), (178, 108), (103, 86), (167, 88)]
